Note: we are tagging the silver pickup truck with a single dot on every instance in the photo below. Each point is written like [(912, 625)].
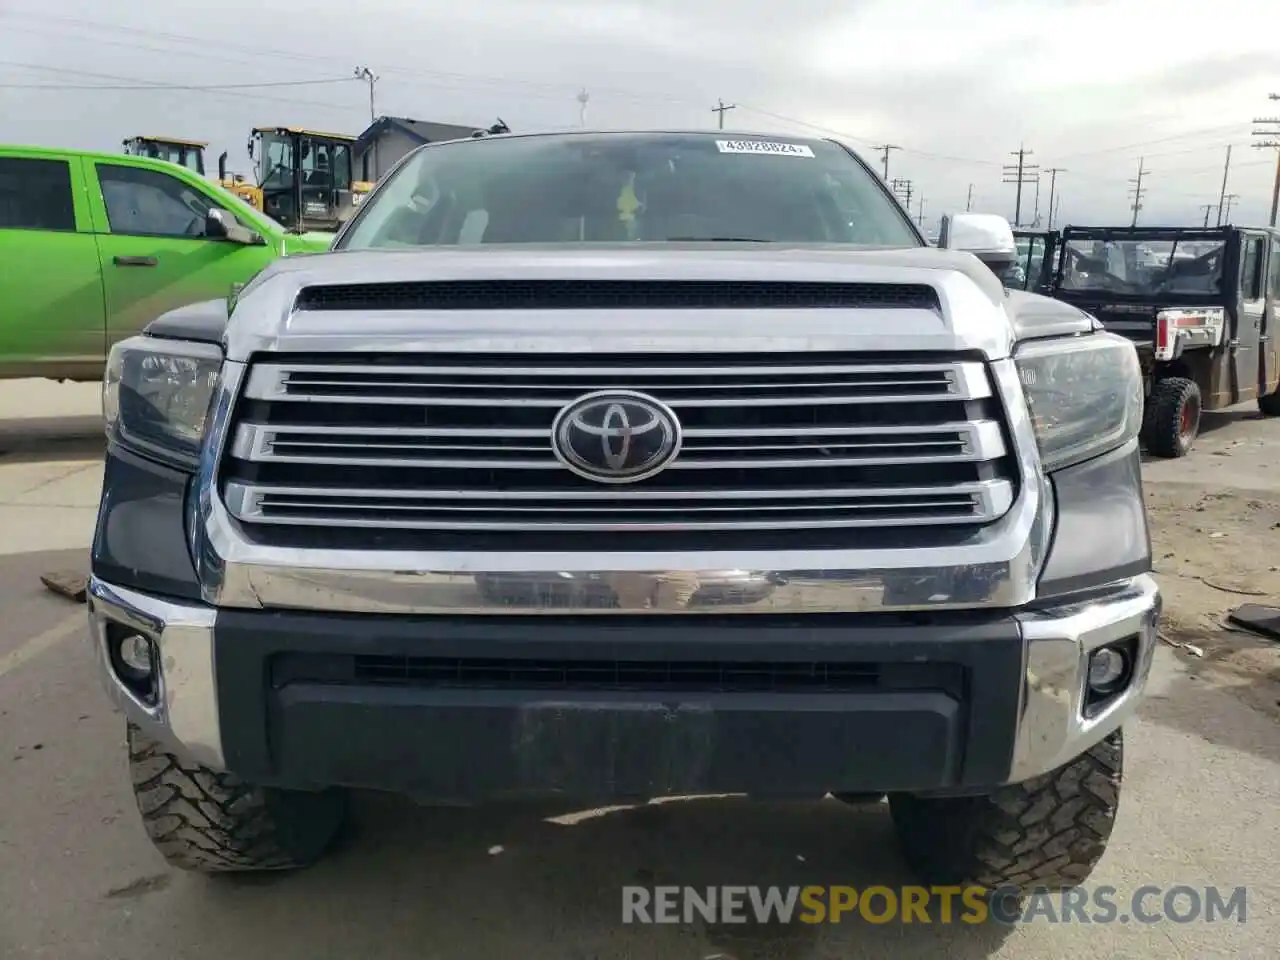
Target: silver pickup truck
[(613, 466)]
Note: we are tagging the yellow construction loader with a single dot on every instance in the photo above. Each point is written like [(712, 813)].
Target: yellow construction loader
[(185, 153), (304, 177)]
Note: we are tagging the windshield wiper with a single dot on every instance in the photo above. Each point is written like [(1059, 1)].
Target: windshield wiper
[(716, 240)]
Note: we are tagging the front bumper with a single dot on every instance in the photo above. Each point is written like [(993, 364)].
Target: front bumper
[(468, 708)]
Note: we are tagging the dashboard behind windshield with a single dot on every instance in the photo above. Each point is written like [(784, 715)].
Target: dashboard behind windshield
[(1144, 267), (619, 188)]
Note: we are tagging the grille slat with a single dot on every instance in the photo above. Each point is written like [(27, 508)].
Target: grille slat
[(459, 442), (711, 386), (703, 449), (768, 509)]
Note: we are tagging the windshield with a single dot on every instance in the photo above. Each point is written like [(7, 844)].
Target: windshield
[(1144, 268), (619, 188), (275, 161)]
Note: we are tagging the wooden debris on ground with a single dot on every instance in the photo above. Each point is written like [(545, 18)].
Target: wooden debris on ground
[(72, 584)]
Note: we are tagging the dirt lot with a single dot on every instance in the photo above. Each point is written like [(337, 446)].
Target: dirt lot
[(1215, 526)]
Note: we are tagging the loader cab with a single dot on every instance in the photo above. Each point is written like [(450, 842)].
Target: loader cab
[(305, 176), (185, 153)]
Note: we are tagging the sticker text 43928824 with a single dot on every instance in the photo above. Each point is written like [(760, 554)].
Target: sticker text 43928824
[(765, 147)]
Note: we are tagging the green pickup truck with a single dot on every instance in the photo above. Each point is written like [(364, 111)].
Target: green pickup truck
[(93, 246)]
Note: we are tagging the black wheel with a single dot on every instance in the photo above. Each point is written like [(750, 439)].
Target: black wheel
[(1269, 405), (1171, 417), (1047, 833), (212, 822)]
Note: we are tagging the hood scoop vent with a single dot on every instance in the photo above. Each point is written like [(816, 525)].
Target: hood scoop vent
[(615, 295)]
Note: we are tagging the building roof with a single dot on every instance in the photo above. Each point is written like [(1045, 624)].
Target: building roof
[(423, 131)]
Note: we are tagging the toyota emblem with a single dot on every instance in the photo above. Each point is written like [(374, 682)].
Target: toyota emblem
[(616, 436)]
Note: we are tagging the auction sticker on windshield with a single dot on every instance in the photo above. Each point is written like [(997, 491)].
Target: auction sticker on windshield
[(764, 146)]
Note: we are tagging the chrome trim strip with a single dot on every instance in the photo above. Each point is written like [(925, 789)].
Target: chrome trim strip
[(463, 448), (1052, 728), (996, 567), (273, 382), (186, 714), (446, 509)]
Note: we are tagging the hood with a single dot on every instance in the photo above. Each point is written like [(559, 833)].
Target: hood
[(311, 242), (971, 314)]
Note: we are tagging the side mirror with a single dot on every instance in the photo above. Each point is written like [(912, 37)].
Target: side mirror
[(987, 236), (216, 224), (220, 225)]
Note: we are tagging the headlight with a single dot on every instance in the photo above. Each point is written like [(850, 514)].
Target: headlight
[(156, 395), (1085, 395)]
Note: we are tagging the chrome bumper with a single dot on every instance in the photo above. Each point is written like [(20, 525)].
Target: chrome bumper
[(1052, 726)]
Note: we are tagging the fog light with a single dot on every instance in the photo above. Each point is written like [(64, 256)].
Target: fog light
[(136, 656), (1106, 668)]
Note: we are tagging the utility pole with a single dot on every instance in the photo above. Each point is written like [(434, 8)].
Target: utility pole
[(1053, 185), (1206, 207), (883, 150), (920, 213), (583, 97), (902, 190), (1228, 200), (722, 109), (1138, 190), (968, 204), (365, 74), (1226, 169), (1020, 173), (1269, 130)]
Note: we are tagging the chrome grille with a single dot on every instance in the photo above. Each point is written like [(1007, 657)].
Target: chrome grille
[(460, 443)]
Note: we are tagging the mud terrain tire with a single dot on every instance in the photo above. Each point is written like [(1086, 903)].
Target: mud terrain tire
[(1171, 418), (212, 822), (1046, 833)]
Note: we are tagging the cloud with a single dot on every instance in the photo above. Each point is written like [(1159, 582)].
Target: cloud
[(1088, 85)]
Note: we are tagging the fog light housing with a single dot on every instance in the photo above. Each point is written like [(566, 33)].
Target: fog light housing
[(136, 655), (1109, 671), (1107, 667), (135, 660)]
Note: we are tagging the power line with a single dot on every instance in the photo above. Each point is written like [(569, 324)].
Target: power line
[(1145, 143), (160, 86), (552, 91), (1139, 191), (154, 84)]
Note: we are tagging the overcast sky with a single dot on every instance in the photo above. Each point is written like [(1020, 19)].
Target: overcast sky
[(1088, 85)]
